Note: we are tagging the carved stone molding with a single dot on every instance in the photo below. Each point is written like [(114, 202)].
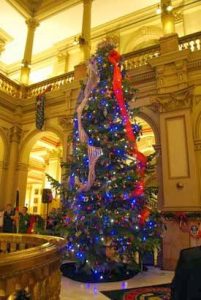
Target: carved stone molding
[(66, 122), (32, 23), (3, 164), (172, 101), (15, 134), (22, 167), (178, 16), (197, 145)]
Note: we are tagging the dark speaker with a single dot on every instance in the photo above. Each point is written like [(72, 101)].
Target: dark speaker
[(47, 196), (186, 284)]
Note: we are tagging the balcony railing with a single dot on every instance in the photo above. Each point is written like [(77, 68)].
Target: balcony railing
[(53, 83), (9, 87), (191, 42), (140, 57), (30, 263), (132, 60)]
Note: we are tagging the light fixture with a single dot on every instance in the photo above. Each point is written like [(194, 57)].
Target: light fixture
[(75, 41), (169, 8), (158, 10)]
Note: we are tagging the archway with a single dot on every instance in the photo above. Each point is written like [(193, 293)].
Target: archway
[(41, 153), (146, 146)]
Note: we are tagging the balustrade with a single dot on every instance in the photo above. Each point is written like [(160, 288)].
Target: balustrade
[(30, 263), (9, 87), (191, 42), (132, 60), (140, 57), (53, 84)]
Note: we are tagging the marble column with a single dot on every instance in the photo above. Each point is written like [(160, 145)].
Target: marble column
[(10, 184), (22, 173), (85, 40), (167, 17), (32, 23)]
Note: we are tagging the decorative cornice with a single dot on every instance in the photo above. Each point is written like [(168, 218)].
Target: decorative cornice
[(173, 101), (66, 122)]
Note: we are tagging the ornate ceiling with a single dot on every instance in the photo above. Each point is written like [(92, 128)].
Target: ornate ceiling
[(41, 8), (59, 20)]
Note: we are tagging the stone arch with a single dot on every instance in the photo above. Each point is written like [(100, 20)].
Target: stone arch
[(146, 116), (144, 37), (25, 149), (31, 139)]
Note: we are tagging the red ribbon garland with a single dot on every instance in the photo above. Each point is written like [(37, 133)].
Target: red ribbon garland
[(114, 58)]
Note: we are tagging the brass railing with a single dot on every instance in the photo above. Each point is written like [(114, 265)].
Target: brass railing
[(30, 263), (132, 60)]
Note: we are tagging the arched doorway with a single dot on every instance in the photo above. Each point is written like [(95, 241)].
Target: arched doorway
[(147, 140), (45, 157), (146, 146)]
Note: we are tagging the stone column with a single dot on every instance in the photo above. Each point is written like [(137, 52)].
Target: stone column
[(3, 166), (85, 40), (167, 17), (62, 62), (32, 23), (10, 184), (21, 179)]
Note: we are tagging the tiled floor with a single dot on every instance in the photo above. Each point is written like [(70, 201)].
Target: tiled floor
[(72, 290)]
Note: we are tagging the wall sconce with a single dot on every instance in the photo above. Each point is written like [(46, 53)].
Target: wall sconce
[(158, 10), (80, 40), (167, 8), (75, 41), (179, 185)]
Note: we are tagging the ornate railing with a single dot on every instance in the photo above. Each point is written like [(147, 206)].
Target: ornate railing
[(53, 83), (30, 263), (132, 60), (140, 57), (191, 42), (9, 87)]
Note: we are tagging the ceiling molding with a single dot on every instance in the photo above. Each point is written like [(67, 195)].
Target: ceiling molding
[(41, 9)]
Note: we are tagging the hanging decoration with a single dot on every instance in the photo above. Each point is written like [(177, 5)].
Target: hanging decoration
[(183, 219), (40, 108), (114, 58), (93, 152)]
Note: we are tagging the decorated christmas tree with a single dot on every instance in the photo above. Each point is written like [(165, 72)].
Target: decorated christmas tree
[(108, 216)]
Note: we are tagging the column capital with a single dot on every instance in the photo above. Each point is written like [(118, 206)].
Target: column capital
[(66, 122), (173, 101), (15, 134), (32, 23), (87, 2)]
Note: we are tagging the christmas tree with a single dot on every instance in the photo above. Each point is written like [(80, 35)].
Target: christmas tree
[(109, 219)]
